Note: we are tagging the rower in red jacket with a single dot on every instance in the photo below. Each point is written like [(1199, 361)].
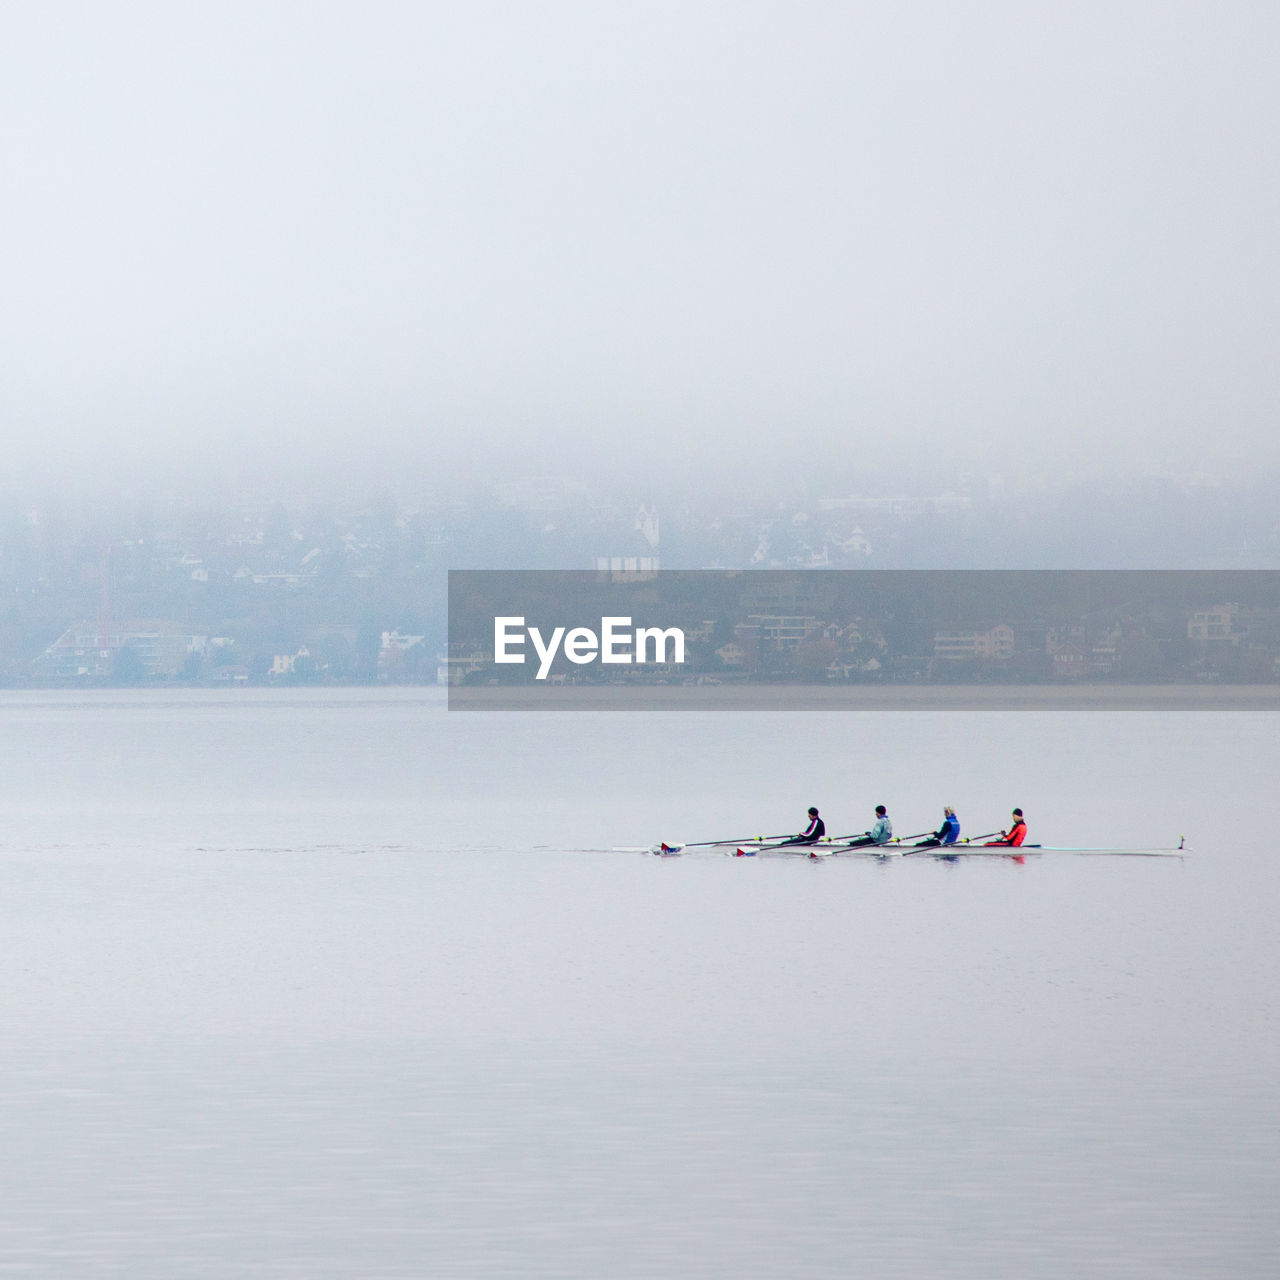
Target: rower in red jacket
[(1016, 834)]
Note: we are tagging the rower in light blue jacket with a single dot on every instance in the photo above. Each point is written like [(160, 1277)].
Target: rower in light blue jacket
[(882, 829)]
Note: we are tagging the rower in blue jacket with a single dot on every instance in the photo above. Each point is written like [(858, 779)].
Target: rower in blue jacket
[(948, 833)]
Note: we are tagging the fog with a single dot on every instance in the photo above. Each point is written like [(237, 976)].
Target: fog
[(737, 241)]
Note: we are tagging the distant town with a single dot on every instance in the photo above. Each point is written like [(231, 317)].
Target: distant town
[(263, 591)]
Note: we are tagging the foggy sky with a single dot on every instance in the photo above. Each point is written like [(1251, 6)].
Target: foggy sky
[(738, 239)]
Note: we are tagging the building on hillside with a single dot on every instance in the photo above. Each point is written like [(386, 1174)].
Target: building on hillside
[(1104, 653), (286, 664), (1069, 661), (453, 669), (626, 564), (956, 646), (731, 654), (82, 652), (394, 651), (780, 631), (1221, 623), (393, 640)]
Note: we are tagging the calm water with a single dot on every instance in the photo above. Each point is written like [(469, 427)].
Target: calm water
[(316, 984)]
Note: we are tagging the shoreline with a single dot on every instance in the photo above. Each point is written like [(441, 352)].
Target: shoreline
[(1019, 697)]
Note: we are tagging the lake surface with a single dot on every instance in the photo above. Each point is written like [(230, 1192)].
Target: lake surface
[(337, 983)]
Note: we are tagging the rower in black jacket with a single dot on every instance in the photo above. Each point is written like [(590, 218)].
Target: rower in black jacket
[(812, 833)]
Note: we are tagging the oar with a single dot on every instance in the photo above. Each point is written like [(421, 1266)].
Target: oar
[(707, 844), (859, 835), (936, 845), (859, 840)]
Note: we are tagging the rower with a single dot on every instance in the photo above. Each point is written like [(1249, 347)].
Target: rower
[(1016, 834), (948, 833), (812, 833), (881, 830)]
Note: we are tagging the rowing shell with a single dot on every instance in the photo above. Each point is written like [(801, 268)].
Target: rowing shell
[(950, 851), (946, 851)]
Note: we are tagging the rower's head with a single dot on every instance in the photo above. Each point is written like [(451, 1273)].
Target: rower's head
[(813, 813), (881, 811), (948, 810), (1017, 813)]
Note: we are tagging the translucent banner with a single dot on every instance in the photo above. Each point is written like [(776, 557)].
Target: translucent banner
[(636, 639)]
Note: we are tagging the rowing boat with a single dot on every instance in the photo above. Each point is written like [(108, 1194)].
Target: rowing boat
[(895, 849)]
